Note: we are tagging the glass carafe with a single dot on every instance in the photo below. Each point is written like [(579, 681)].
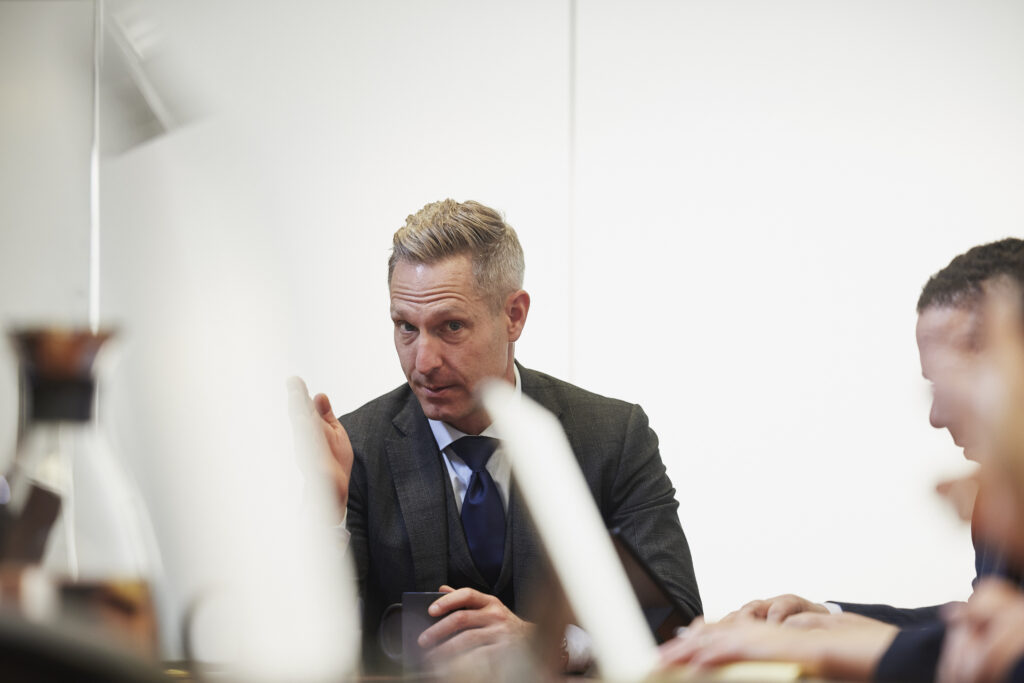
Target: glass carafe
[(69, 507)]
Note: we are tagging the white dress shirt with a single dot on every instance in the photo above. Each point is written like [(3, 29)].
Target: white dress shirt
[(459, 472)]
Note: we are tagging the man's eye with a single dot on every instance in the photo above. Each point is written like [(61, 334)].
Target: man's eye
[(406, 327), (454, 326)]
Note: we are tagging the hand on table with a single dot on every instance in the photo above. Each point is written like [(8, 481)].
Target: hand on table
[(985, 638), (473, 620), (775, 610), (843, 620), (837, 648)]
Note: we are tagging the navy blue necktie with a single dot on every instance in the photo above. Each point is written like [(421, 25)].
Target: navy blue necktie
[(483, 515)]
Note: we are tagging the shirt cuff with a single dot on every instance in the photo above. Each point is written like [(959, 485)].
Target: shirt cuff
[(342, 531), (579, 648), (832, 608)]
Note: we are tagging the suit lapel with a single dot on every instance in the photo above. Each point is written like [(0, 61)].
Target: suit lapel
[(418, 474)]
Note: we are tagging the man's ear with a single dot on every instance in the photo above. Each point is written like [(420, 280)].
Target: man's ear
[(517, 306)]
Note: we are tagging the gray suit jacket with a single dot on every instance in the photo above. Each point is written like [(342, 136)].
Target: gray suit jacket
[(397, 510)]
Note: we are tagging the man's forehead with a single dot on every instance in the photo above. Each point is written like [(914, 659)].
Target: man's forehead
[(458, 266), (449, 281), (437, 296), (437, 309), (947, 325)]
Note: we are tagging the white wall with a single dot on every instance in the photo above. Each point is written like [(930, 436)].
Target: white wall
[(763, 188), (728, 210)]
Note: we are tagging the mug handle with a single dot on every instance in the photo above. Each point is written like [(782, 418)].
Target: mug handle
[(389, 634)]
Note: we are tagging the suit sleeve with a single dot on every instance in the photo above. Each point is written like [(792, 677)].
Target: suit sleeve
[(358, 550), (897, 616), (356, 515), (355, 522), (913, 655), (1016, 674), (642, 504)]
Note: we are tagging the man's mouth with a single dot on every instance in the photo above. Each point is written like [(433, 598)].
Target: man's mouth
[(433, 391)]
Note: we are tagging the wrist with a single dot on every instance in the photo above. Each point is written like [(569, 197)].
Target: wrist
[(852, 655)]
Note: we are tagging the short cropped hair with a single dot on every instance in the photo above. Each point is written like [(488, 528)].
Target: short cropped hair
[(962, 283), (449, 228)]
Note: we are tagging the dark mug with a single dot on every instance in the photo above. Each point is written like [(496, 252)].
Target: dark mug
[(402, 624)]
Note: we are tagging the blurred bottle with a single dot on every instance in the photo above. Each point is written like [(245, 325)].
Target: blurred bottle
[(69, 507)]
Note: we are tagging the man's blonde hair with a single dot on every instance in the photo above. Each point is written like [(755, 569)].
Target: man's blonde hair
[(448, 228)]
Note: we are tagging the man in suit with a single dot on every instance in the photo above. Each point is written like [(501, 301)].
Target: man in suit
[(881, 641), (425, 513)]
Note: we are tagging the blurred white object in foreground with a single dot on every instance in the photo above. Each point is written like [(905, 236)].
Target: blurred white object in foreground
[(576, 542)]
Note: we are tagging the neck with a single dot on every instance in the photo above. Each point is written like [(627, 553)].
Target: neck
[(474, 423)]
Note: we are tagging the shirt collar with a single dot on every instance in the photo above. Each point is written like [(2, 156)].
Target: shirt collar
[(445, 434)]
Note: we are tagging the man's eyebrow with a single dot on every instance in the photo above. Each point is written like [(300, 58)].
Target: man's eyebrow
[(448, 313), (444, 313)]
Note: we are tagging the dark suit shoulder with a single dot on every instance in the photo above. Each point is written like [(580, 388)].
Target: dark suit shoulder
[(375, 417), (598, 427), (541, 386)]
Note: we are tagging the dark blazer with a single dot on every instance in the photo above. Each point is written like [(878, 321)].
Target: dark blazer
[(914, 654), (398, 515)]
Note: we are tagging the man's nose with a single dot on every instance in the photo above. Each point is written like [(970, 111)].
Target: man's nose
[(428, 356)]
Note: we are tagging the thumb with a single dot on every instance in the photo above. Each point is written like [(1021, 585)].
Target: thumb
[(323, 407)]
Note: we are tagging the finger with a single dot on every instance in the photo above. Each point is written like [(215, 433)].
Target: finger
[(677, 651), (445, 589), (681, 649), (450, 625), (323, 409), (298, 396), (954, 612), (305, 431), (807, 620), (715, 650), (755, 609), (961, 494), (463, 641), (782, 609), (991, 596), (463, 598)]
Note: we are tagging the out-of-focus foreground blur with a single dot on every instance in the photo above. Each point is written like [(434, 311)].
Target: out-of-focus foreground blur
[(728, 210)]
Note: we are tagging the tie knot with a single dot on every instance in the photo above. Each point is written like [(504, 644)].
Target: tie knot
[(475, 451)]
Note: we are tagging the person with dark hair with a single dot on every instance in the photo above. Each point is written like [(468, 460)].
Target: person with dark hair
[(985, 637), (431, 505), (853, 640), (962, 284)]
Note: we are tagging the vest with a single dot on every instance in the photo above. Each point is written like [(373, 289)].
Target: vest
[(462, 573)]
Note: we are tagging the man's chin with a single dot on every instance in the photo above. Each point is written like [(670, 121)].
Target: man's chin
[(972, 455), (439, 409)]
